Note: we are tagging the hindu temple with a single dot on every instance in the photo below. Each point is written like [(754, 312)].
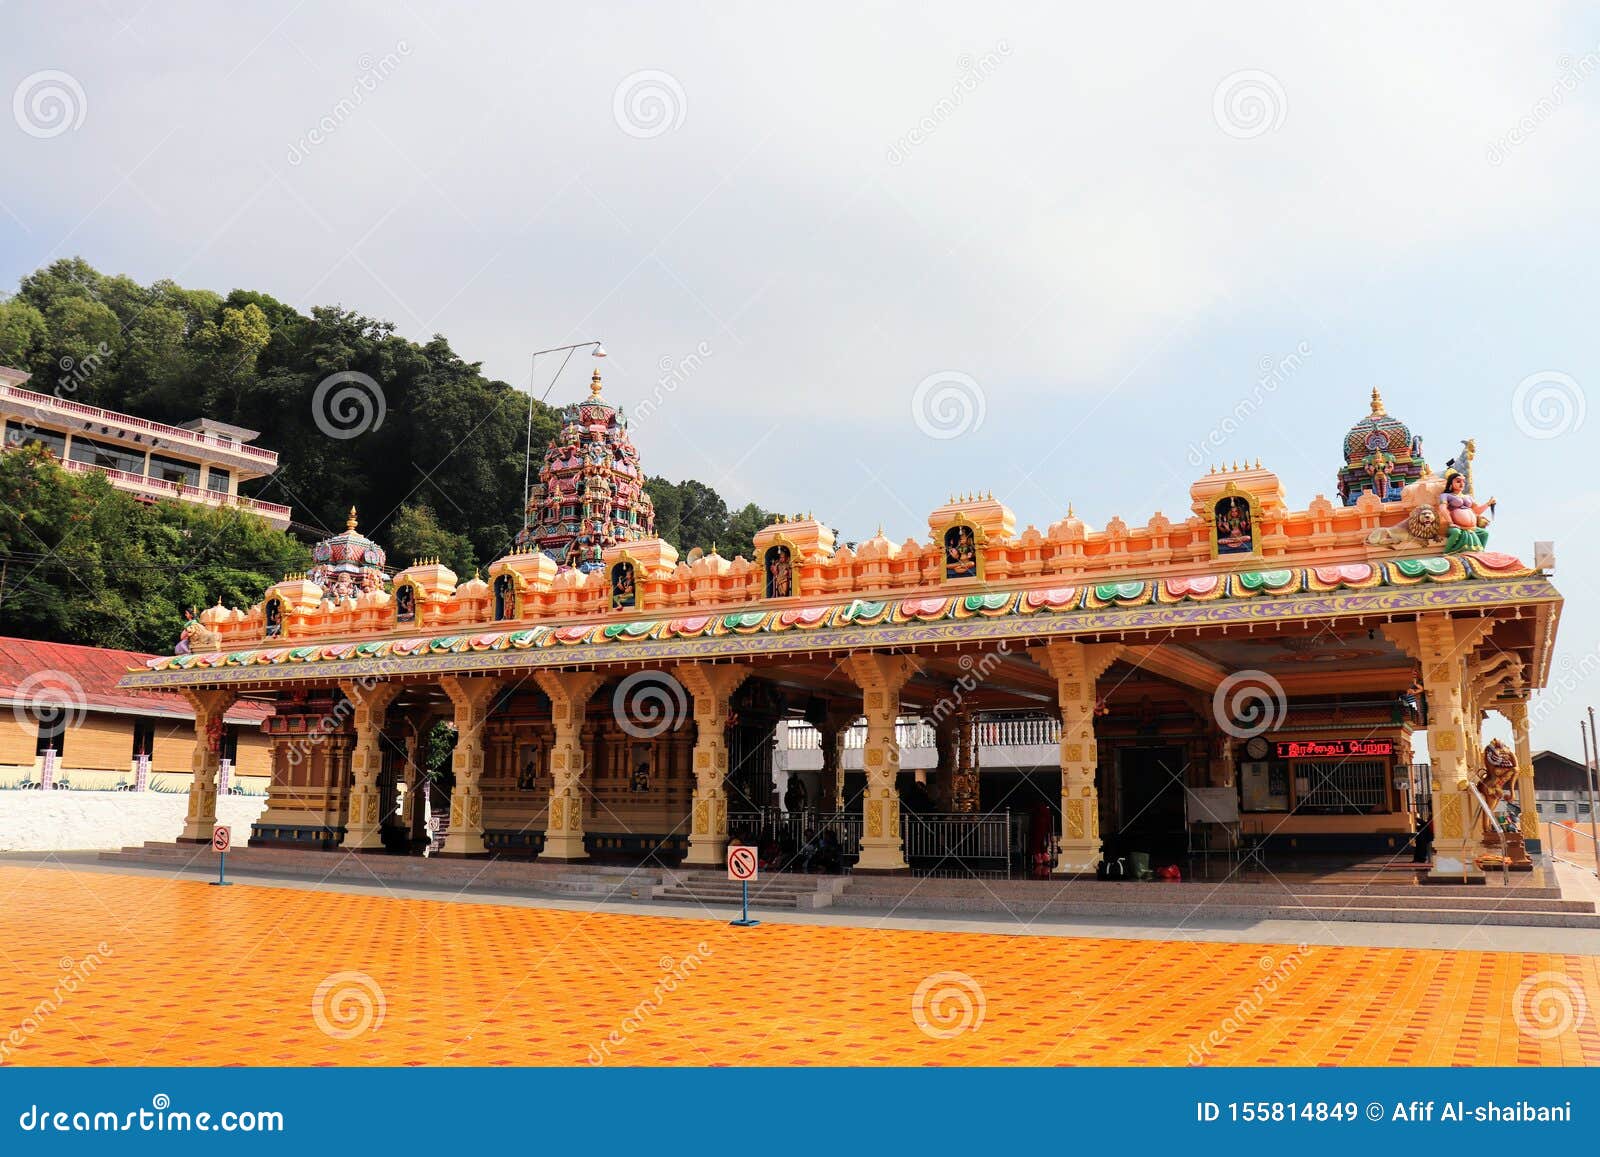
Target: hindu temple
[(1311, 674)]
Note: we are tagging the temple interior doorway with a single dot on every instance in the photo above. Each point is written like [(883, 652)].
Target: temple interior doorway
[(1150, 804)]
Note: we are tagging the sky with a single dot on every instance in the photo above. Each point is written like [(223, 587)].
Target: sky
[(853, 262)]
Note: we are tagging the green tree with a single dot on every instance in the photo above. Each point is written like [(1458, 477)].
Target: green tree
[(415, 533), (743, 525), (23, 333)]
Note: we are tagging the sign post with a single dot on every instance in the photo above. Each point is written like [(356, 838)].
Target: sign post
[(743, 866), (221, 841)]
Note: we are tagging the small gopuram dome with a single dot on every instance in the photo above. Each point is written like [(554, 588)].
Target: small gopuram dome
[(590, 492), (1381, 455), (347, 564)]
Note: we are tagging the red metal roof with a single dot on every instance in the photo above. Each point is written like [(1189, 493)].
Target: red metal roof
[(32, 671)]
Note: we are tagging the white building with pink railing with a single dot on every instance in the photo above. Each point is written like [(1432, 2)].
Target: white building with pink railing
[(201, 461)]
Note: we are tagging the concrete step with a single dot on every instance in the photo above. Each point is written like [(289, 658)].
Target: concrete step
[(1232, 909)]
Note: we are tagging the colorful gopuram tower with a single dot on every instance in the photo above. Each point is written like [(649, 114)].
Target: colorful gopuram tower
[(347, 564), (590, 493), (1381, 455)]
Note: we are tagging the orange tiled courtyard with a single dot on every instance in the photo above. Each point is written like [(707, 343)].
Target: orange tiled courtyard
[(194, 975)]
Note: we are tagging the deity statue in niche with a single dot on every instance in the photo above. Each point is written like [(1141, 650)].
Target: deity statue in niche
[(405, 603), (505, 597), (960, 552), (1466, 519), (780, 572), (1235, 529), (623, 593), (274, 617)]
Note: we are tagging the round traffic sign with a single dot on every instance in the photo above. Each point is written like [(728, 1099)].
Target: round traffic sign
[(221, 838), (742, 863)]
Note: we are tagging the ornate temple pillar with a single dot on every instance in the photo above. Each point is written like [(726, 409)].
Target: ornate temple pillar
[(1441, 646), (711, 686), (1515, 712), (569, 693), (209, 708), (964, 787), (364, 825), (881, 678), (471, 697), (1076, 667), (832, 722)]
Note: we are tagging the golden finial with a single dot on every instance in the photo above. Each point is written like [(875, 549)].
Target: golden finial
[(594, 383), (880, 531), (1069, 510), (350, 523), (1258, 463), (1377, 402)]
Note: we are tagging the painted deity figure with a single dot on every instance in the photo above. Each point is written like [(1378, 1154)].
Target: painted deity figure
[(405, 603), (1466, 518), (1234, 533), (960, 553), (504, 597), (1380, 468), (779, 573), (622, 587), (274, 617)]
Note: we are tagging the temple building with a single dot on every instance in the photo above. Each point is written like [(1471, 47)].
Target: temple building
[(1246, 669)]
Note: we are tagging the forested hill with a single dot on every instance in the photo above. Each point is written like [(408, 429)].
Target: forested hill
[(433, 461)]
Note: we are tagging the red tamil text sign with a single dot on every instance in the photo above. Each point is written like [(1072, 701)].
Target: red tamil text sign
[(1334, 748)]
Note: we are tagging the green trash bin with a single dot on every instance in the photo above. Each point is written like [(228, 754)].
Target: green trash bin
[(1139, 866)]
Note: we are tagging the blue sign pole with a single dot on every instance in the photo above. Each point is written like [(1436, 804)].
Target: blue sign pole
[(744, 920), (222, 872)]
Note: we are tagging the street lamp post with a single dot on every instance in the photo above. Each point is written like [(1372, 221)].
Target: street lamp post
[(527, 454)]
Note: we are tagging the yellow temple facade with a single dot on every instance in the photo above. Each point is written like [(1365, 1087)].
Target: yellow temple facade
[(612, 699)]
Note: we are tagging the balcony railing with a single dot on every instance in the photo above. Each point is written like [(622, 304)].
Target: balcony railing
[(918, 733), (178, 491), (161, 429)]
